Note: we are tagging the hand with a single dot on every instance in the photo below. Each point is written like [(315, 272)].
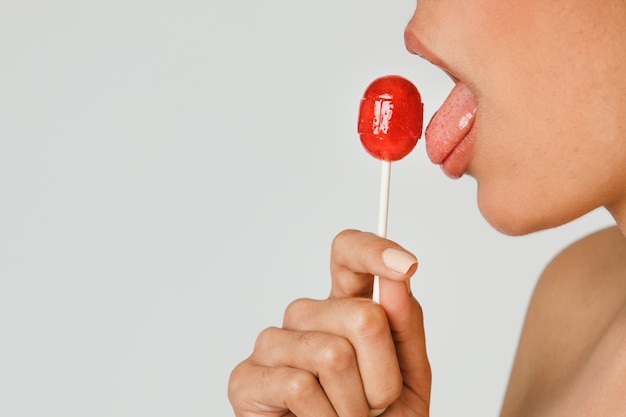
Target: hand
[(345, 356)]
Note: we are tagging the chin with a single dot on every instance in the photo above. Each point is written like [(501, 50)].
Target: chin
[(514, 215), (513, 226)]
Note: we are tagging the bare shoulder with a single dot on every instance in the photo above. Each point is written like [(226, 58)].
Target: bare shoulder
[(576, 319), (598, 254)]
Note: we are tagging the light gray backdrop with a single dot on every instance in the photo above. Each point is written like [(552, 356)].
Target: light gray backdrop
[(171, 176)]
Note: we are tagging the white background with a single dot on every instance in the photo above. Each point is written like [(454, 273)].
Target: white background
[(171, 176)]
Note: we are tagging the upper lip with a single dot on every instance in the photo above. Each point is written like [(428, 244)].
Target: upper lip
[(417, 47), (439, 150)]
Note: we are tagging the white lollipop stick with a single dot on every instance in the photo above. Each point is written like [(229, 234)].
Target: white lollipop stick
[(383, 210)]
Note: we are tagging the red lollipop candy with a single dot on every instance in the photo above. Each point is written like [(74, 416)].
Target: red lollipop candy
[(390, 124), (390, 118)]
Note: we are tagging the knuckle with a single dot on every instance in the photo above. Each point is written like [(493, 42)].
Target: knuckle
[(294, 307), (376, 412), (369, 320), (265, 339), (341, 240), (353, 246), (387, 395), (237, 382), (337, 355), (301, 386), (295, 310)]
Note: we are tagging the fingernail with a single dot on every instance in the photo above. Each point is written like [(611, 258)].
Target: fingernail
[(398, 260)]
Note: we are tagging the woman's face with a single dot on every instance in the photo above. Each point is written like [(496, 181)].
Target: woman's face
[(549, 89)]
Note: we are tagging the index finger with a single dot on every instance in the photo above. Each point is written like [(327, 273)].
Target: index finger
[(357, 256)]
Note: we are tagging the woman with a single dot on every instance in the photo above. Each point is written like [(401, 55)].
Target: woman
[(541, 90)]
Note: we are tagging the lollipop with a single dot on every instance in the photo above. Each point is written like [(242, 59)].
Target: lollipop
[(390, 123)]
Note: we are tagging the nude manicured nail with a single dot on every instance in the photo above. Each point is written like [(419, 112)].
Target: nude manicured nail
[(398, 260)]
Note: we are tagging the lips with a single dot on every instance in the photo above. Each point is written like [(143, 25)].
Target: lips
[(449, 138)]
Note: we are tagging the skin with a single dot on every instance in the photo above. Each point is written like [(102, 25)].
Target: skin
[(327, 350), (548, 81), (550, 146)]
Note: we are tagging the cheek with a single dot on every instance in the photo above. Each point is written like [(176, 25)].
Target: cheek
[(534, 156)]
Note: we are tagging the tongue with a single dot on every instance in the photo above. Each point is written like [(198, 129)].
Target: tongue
[(450, 124)]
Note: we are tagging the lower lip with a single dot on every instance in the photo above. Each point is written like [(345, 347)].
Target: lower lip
[(457, 162)]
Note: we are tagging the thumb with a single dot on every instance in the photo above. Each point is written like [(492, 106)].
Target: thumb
[(406, 321)]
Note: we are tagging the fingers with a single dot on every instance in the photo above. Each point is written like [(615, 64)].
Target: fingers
[(357, 256), (256, 391), (309, 373), (345, 356), (406, 321), (364, 325), (330, 358)]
